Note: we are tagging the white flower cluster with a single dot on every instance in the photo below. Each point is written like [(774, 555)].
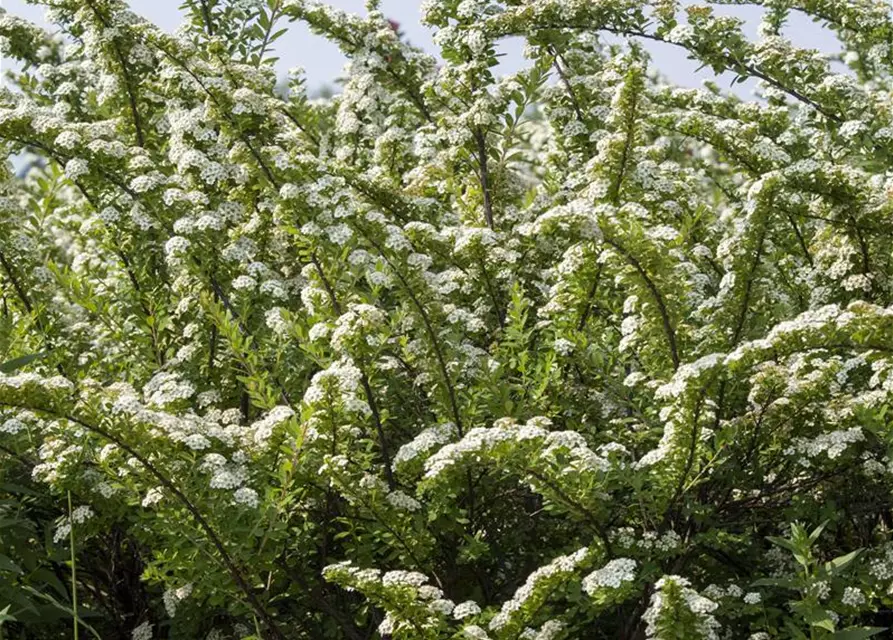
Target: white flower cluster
[(153, 496), (559, 568), (79, 515), (425, 441), (853, 597), (611, 576), (399, 585), (246, 496), (166, 388), (142, 632), (466, 609), (276, 322), (688, 375), (33, 382), (533, 436), (338, 383), (18, 423), (173, 597), (701, 607), (629, 538), (262, 429), (400, 500), (548, 631), (403, 578), (833, 444), (358, 320), (881, 567)]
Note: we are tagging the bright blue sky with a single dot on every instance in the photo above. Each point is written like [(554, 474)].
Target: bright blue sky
[(323, 61)]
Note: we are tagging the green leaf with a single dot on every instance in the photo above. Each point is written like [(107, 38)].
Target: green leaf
[(817, 531), (263, 19), (817, 616), (17, 363), (784, 543), (5, 616), (6, 564), (857, 633), (64, 608), (842, 563), (794, 631), (801, 559), (9, 487)]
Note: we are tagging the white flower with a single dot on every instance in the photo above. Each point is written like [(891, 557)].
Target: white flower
[(475, 632), (821, 589), (853, 597), (81, 514), (680, 34), (563, 347), (852, 128), (246, 496), (173, 597), (176, 245), (13, 426), (466, 609), (263, 428), (318, 331), (76, 167), (612, 575), (228, 477), (276, 322), (403, 578), (67, 139), (700, 606), (386, 627), (153, 496), (196, 442), (402, 501), (441, 606), (243, 283), (62, 532), (142, 632), (561, 565), (339, 234)]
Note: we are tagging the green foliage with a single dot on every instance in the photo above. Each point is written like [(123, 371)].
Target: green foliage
[(447, 355)]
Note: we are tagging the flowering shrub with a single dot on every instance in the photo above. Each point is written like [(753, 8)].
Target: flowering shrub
[(570, 353)]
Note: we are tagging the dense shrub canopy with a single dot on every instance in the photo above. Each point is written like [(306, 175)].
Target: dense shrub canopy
[(570, 353)]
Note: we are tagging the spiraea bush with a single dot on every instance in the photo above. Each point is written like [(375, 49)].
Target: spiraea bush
[(569, 353)]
